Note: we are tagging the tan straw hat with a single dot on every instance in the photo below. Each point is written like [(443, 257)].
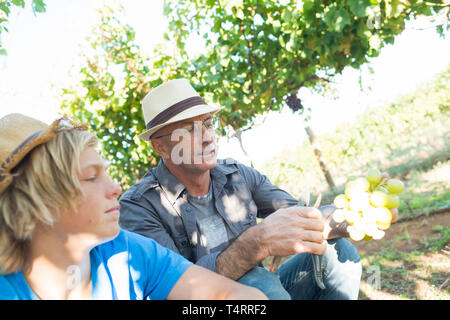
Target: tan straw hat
[(19, 134), (170, 102)]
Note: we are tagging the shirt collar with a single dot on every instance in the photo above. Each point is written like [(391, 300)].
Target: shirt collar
[(219, 175), (175, 188), (168, 182)]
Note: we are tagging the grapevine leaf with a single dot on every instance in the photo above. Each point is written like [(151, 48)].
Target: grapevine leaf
[(358, 7), (336, 18), (38, 6)]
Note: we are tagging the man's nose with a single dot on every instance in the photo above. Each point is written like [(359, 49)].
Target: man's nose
[(208, 135)]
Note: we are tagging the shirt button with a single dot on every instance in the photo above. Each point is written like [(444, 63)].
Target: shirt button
[(188, 209)]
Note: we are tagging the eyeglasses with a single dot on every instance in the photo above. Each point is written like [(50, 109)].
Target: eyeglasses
[(209, 123)]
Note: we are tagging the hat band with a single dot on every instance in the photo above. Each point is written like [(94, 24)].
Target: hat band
[(173, 110), (4, 166)]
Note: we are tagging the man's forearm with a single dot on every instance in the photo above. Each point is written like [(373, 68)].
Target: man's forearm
[(248, 249), (241, 256)]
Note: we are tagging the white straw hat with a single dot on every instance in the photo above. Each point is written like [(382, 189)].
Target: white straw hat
[(170, 102)]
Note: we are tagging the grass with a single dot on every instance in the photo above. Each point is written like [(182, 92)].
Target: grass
[(426, 190), (437, 243), (414, 258), (419, 272)]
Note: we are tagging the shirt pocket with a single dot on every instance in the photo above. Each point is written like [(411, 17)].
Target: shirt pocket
[(239, 205)]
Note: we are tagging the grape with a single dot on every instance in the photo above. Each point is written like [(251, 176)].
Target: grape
[(360, 201), (381, 188), (361, 184), (349, 190), (370, 215), (383, 226), (366, 205), (340, 201), (379, 199), (379, 235), (393, 201), (370, 229), (338, 215), (383, 215), (395, 186), (374, 176), (355, 233), (294, 102), (351, 216), (356, 187)]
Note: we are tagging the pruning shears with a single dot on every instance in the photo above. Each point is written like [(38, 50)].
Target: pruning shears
[(316, 259)]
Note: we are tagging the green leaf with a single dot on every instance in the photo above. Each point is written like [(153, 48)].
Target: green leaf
[(4, 6), (336, 18), (393, 8), (130, 35), (18, 3), (358, 7), (282, 42), (230, 4), (38, 6), (240, 14), (308, 5)]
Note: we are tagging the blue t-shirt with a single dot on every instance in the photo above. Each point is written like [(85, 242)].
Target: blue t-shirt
[(128, 267)]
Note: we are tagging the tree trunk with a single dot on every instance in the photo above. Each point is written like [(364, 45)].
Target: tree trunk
[(238, 135), (317, 153)]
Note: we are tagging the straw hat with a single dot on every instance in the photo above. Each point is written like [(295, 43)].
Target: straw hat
[(19, 134), (170, 102)]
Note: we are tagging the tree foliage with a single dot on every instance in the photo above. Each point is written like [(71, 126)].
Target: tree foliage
[(113, 81), (5, 9), (255, 54)]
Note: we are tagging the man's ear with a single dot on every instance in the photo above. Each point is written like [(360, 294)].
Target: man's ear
[(160, 147)]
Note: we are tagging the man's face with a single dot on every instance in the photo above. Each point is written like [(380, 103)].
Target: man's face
[(190, 143)]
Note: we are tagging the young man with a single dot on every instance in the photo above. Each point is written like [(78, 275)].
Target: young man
[(206, 209), (59, 231)]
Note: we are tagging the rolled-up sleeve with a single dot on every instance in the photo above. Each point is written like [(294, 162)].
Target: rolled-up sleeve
[(208, 261)]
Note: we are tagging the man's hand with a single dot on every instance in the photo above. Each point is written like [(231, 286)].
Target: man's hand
[(292, 230), (285, 232)]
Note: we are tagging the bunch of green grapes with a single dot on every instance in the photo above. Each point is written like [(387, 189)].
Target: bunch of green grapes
[(366, 205)]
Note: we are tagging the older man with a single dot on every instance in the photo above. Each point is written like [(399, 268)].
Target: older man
[(206, 209)]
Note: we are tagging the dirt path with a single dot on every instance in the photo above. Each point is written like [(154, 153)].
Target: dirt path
[(411, 271), (418, 229)]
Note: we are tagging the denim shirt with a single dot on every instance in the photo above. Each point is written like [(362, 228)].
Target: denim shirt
[(157, 207)]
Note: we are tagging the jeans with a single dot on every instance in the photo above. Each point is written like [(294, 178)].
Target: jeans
[(294, 279)]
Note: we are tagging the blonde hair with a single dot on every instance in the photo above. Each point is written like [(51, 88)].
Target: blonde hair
[(44, 183)]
